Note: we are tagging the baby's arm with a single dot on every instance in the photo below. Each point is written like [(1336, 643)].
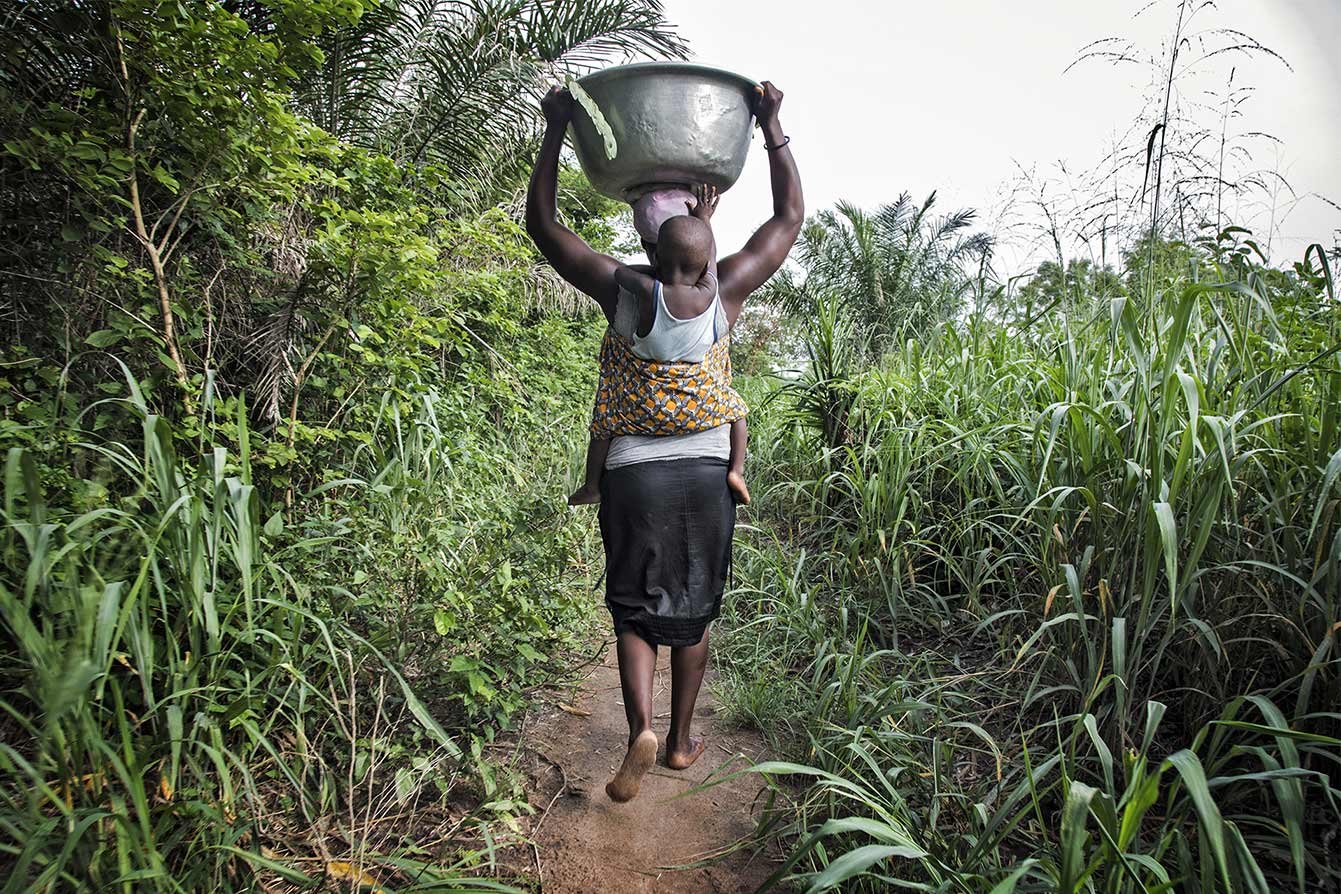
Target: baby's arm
[(707, 203), (635, 281)]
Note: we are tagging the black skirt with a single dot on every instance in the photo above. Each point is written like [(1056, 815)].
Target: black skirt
[(667, 527)]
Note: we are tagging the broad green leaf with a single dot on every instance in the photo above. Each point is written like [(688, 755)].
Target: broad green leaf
[(1168, 536), (1189, 768), (855, 862)]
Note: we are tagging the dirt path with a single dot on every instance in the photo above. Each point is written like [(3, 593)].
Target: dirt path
[(586, 843)]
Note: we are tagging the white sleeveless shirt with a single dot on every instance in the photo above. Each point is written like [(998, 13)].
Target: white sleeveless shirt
[(671, 339)]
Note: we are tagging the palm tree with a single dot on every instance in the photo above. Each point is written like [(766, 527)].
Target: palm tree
[(454, 83), (897, 271)]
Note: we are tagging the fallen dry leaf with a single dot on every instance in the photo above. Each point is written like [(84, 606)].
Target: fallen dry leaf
[(350, 873), (577, 712)]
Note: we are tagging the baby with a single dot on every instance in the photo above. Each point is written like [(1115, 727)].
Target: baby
[(684, 305)]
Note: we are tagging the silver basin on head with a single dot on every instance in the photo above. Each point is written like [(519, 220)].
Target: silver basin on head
[(675, 123)]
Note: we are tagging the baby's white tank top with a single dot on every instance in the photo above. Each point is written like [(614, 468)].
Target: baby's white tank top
[(671, 340)]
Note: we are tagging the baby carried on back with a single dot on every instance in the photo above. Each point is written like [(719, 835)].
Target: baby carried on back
[(674, 378)]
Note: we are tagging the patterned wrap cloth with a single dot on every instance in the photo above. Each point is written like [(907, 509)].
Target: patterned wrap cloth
[(648, 397)]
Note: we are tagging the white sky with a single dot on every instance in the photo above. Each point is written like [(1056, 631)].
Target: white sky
[(961, 95)]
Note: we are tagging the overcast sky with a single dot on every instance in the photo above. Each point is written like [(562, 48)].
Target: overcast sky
[(962, 95)]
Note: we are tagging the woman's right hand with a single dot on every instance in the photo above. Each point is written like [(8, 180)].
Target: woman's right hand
[(557, 106)]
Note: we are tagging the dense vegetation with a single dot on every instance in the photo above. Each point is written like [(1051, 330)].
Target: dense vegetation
[(1051, 569), (287, 403), (1054, 567), (1059, 605)]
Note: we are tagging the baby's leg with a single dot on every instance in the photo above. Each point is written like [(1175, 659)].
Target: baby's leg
[(735, 473), (590, 491)]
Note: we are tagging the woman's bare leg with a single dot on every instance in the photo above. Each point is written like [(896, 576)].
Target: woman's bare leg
[(687, 666), (637, 666)]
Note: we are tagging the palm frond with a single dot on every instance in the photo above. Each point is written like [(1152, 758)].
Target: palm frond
[(274, 346), (47, 47), (446, 81), (895, 270)]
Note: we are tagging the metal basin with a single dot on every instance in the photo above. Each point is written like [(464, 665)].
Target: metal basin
[(675, 123)]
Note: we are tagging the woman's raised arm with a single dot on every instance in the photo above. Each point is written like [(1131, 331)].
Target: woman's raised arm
[(748, 269), (585, 268)]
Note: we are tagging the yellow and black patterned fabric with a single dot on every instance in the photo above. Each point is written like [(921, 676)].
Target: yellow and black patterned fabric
[(649, 397)]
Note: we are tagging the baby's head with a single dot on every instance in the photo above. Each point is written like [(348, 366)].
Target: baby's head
[(653, 209), (684, 248)]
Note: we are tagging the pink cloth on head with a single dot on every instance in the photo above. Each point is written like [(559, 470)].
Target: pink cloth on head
[(653, 209)]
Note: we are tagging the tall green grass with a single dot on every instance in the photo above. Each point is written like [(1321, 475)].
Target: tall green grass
[(184, 708), (1062, 605)]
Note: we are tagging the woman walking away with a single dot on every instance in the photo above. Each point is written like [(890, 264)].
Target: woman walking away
[(666, 511)]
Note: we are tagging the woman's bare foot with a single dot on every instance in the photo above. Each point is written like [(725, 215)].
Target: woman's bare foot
[(736, 481), (678, 759), (585, 495), (638, 760)]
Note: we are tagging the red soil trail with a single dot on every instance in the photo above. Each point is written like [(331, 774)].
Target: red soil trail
[(587, 843)]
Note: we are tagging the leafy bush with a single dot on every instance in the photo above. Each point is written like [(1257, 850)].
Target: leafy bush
[(288, 412)]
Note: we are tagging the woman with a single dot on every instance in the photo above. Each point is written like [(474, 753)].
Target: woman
[(667, 516)]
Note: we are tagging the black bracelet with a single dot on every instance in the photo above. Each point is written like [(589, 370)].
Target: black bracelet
[(785, 141)]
